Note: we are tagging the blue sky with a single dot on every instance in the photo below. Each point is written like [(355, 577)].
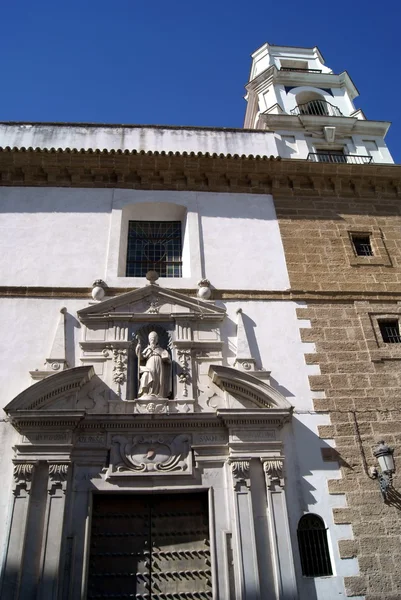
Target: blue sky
[(184, 63)]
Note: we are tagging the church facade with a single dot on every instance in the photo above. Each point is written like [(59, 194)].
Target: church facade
[(200, 332)]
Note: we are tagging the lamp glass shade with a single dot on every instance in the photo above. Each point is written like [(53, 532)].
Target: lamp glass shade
[(386, 462)]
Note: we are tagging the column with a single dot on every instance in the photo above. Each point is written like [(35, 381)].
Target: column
[(23, 476), (279, 527), (52, 537), (249, 586)]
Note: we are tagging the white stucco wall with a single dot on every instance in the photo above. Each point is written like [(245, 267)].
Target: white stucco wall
[(298, 144), (136, 137), (70, 237), (269, 54)]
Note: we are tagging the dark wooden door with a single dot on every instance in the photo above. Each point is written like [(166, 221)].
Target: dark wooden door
[(150, 547)]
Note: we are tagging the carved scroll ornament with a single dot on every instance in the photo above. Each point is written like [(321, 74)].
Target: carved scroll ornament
[(151, 454)]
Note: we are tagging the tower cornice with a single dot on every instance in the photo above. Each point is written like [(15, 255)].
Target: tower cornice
[(275, 76)]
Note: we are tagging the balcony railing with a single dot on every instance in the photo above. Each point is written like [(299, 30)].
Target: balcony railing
[(332, 157), (319, 108), (300, 70)]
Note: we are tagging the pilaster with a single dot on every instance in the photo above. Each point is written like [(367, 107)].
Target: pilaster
[(23, 476), (52, 536), (279, 528), (248, 575)]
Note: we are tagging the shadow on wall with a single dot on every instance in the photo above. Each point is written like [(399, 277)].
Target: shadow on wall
[(208, 204), (306, 455), (393, 498), (71, 323), (91, 200)]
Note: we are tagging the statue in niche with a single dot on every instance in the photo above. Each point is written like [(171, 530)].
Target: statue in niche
[(155, 374)]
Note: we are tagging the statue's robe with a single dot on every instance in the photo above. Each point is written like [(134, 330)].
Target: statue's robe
[(155, 375)]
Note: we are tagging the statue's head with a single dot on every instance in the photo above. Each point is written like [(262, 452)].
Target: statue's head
[(153, 338)]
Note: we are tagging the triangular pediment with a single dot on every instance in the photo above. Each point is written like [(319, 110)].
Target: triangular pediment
[(153, 300)]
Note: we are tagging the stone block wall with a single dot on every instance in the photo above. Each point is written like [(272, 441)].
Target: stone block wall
[(319, 252), (360, 376)]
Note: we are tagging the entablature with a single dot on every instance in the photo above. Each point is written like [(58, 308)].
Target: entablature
[(344, 125), (272, 75), (216, 173)]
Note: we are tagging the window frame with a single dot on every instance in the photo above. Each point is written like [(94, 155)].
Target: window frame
[(380, 255), (369, 318), (154, 205)]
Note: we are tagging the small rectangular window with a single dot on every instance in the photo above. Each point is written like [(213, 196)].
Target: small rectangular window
[(362, 245), (390, 330), (154, 246)]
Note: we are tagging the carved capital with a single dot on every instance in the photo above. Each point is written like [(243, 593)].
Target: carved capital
[(23, 474), (241, 473), (57, 478), (274, 472)]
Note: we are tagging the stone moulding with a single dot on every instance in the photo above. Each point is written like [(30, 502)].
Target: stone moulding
[(245, 385), (287, 295), (115, 308), (50, 389), (194, 172)]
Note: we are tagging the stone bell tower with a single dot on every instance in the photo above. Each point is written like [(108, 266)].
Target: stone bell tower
[(310, 109)]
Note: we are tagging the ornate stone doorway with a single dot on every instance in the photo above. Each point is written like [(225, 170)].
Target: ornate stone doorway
[(150, 547)]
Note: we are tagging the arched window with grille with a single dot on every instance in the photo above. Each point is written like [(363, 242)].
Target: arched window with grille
[(313, 547)]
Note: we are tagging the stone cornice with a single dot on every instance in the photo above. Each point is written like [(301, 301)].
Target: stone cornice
[(392, 295), (195, 172)]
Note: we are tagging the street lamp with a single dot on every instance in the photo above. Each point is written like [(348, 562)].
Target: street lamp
[(384, 455)]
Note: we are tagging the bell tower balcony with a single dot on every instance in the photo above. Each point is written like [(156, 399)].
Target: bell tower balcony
[(309, 109), (320, 108)]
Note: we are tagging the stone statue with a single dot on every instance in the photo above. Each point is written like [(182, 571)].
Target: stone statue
[(154, 376)]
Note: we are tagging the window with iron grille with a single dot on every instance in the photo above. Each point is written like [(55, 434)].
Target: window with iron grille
[(313, 547), (331, 156), (362, 245), (390, 330), (154, 246)]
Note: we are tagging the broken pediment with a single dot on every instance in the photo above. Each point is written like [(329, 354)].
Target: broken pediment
[(45, 394), (246, 388)]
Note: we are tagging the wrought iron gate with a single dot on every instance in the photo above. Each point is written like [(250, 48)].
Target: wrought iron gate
[(150, 547)]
